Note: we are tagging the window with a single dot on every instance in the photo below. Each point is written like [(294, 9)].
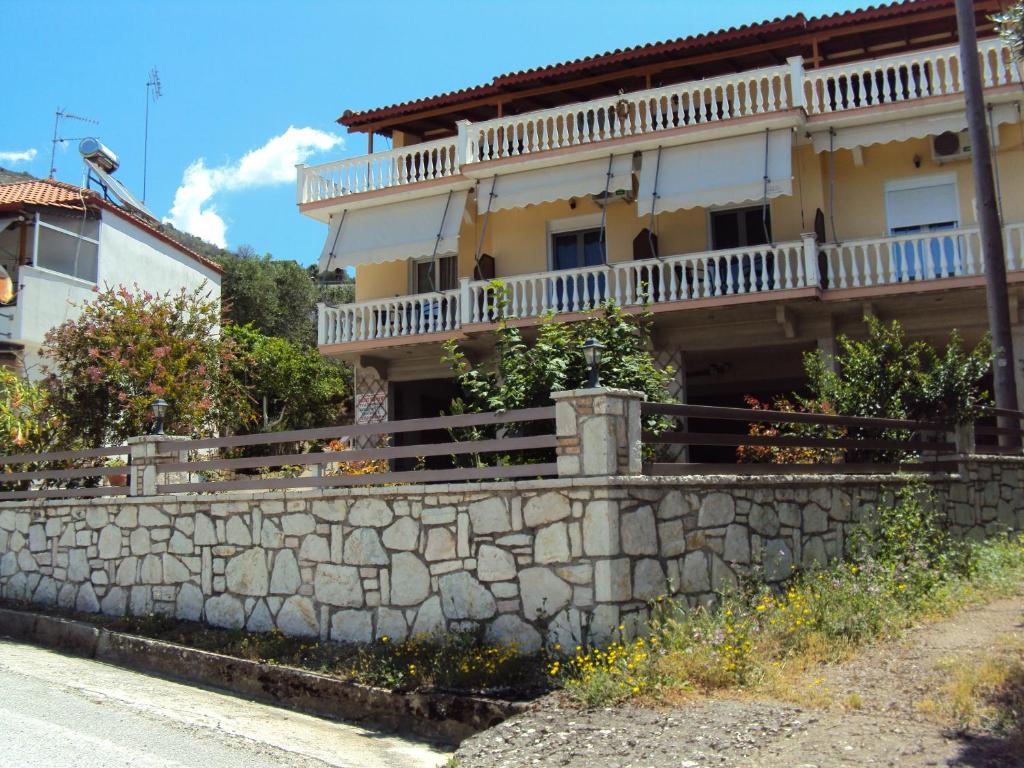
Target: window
[(437, 274), (915, 208), (737, 228), (60, 248), (578, 250), (575, 250)]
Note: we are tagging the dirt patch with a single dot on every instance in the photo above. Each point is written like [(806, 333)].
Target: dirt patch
[(870, 714)]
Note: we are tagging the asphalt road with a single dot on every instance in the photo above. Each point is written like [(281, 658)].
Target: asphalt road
[(58, 711)]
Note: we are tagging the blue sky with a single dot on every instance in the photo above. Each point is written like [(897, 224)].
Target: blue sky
[(249, 87)]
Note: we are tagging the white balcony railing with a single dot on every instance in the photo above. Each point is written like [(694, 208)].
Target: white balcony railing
[(389, 318), (677, 278), (725, 275), (907, 258), (832, 89), (381, 170), (917, 75), (640, 113)]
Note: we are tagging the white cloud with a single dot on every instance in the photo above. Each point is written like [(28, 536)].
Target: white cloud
[(274, 163), (13, 158)]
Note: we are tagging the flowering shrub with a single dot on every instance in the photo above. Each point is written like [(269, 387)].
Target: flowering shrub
[(754, 454), (27, 423), (357, 467), (607, 675), (128, 348), (458, 661)]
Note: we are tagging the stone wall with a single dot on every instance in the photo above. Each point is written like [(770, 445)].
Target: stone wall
[(561, 560)]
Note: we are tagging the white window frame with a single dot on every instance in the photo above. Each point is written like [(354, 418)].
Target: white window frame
[(571, 224), (726, 208), (413, 269), (920, 182), (35, 250)]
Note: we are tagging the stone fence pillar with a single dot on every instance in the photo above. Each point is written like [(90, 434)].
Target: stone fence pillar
[(146, 452), (598, 432)]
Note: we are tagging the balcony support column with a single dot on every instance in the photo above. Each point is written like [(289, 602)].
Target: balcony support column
[(462, 143), (796, 81), (465, 302), (810, 243), (321, 323)]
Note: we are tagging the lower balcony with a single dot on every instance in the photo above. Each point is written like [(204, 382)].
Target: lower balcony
[(802, 268)]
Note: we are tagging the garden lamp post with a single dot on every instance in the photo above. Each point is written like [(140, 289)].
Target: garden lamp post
[(158, 408), (592, 350)]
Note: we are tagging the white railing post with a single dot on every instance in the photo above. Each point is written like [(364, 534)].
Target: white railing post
[(462, 154), (810, 243), (465, 302), (796, 80), (300, 183), (321, 323)]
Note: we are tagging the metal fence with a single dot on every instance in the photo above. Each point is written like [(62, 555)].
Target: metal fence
[(903, 445), (185, 466)]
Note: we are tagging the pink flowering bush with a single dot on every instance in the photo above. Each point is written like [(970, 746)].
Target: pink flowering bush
[(130, 347)]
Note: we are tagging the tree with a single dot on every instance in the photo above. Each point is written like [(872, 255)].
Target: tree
[(292, 386), (523, 374), (276, 297), (1011, 27), (886, 376), (882, 376), (128, 348), (27, 423)]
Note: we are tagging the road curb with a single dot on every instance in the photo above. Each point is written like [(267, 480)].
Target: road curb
[(440, 717)]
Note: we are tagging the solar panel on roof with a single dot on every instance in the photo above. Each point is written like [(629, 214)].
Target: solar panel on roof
[(117, 189)]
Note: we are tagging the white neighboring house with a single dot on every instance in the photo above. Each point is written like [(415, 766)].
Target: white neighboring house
[(59, 243)]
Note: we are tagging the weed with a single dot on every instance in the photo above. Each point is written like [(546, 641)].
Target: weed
[(902, 567)]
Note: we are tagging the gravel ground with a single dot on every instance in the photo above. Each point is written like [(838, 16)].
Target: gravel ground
[(887, 729)]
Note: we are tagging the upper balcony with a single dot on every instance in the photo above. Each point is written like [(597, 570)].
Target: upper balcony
[(784, 94)]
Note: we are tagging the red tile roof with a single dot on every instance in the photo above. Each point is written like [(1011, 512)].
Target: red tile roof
[(44, 192), (50, 193), (779, 27)]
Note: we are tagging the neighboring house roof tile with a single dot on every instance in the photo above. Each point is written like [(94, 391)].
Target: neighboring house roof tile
[(50, 193), (760, 31)]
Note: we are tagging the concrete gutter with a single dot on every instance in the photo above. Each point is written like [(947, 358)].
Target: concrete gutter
[(440, 717)]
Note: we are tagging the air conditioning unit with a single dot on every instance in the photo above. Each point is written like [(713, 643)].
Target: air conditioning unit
[(950, 146), (614, 196)]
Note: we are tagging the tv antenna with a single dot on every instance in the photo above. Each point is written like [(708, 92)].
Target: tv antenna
[(59, 115), (152, 90)]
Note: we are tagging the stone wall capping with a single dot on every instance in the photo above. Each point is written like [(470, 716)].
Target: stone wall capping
[(575, 394)]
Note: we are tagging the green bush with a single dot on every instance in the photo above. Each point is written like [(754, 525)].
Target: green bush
[(523, 373)]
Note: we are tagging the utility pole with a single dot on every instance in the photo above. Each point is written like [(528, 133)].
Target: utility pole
[(1003, 374)]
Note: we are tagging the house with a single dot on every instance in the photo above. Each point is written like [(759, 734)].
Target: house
[(763, 188), (59, 243)]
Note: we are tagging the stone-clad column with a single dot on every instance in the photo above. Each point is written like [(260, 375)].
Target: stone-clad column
[(146, 453), (598, 432)]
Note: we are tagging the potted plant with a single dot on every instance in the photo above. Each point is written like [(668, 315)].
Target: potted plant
[(117, 478)]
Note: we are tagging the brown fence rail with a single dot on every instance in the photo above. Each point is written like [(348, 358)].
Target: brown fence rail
[(987, 437), (39, 483), (925, 437), (322, 459)]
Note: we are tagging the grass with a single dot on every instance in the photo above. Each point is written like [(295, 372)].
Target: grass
[(902, 568), (455, 662), (982, 694)]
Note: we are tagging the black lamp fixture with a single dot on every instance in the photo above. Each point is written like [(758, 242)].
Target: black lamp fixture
[(158, 408), (592, 350)]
